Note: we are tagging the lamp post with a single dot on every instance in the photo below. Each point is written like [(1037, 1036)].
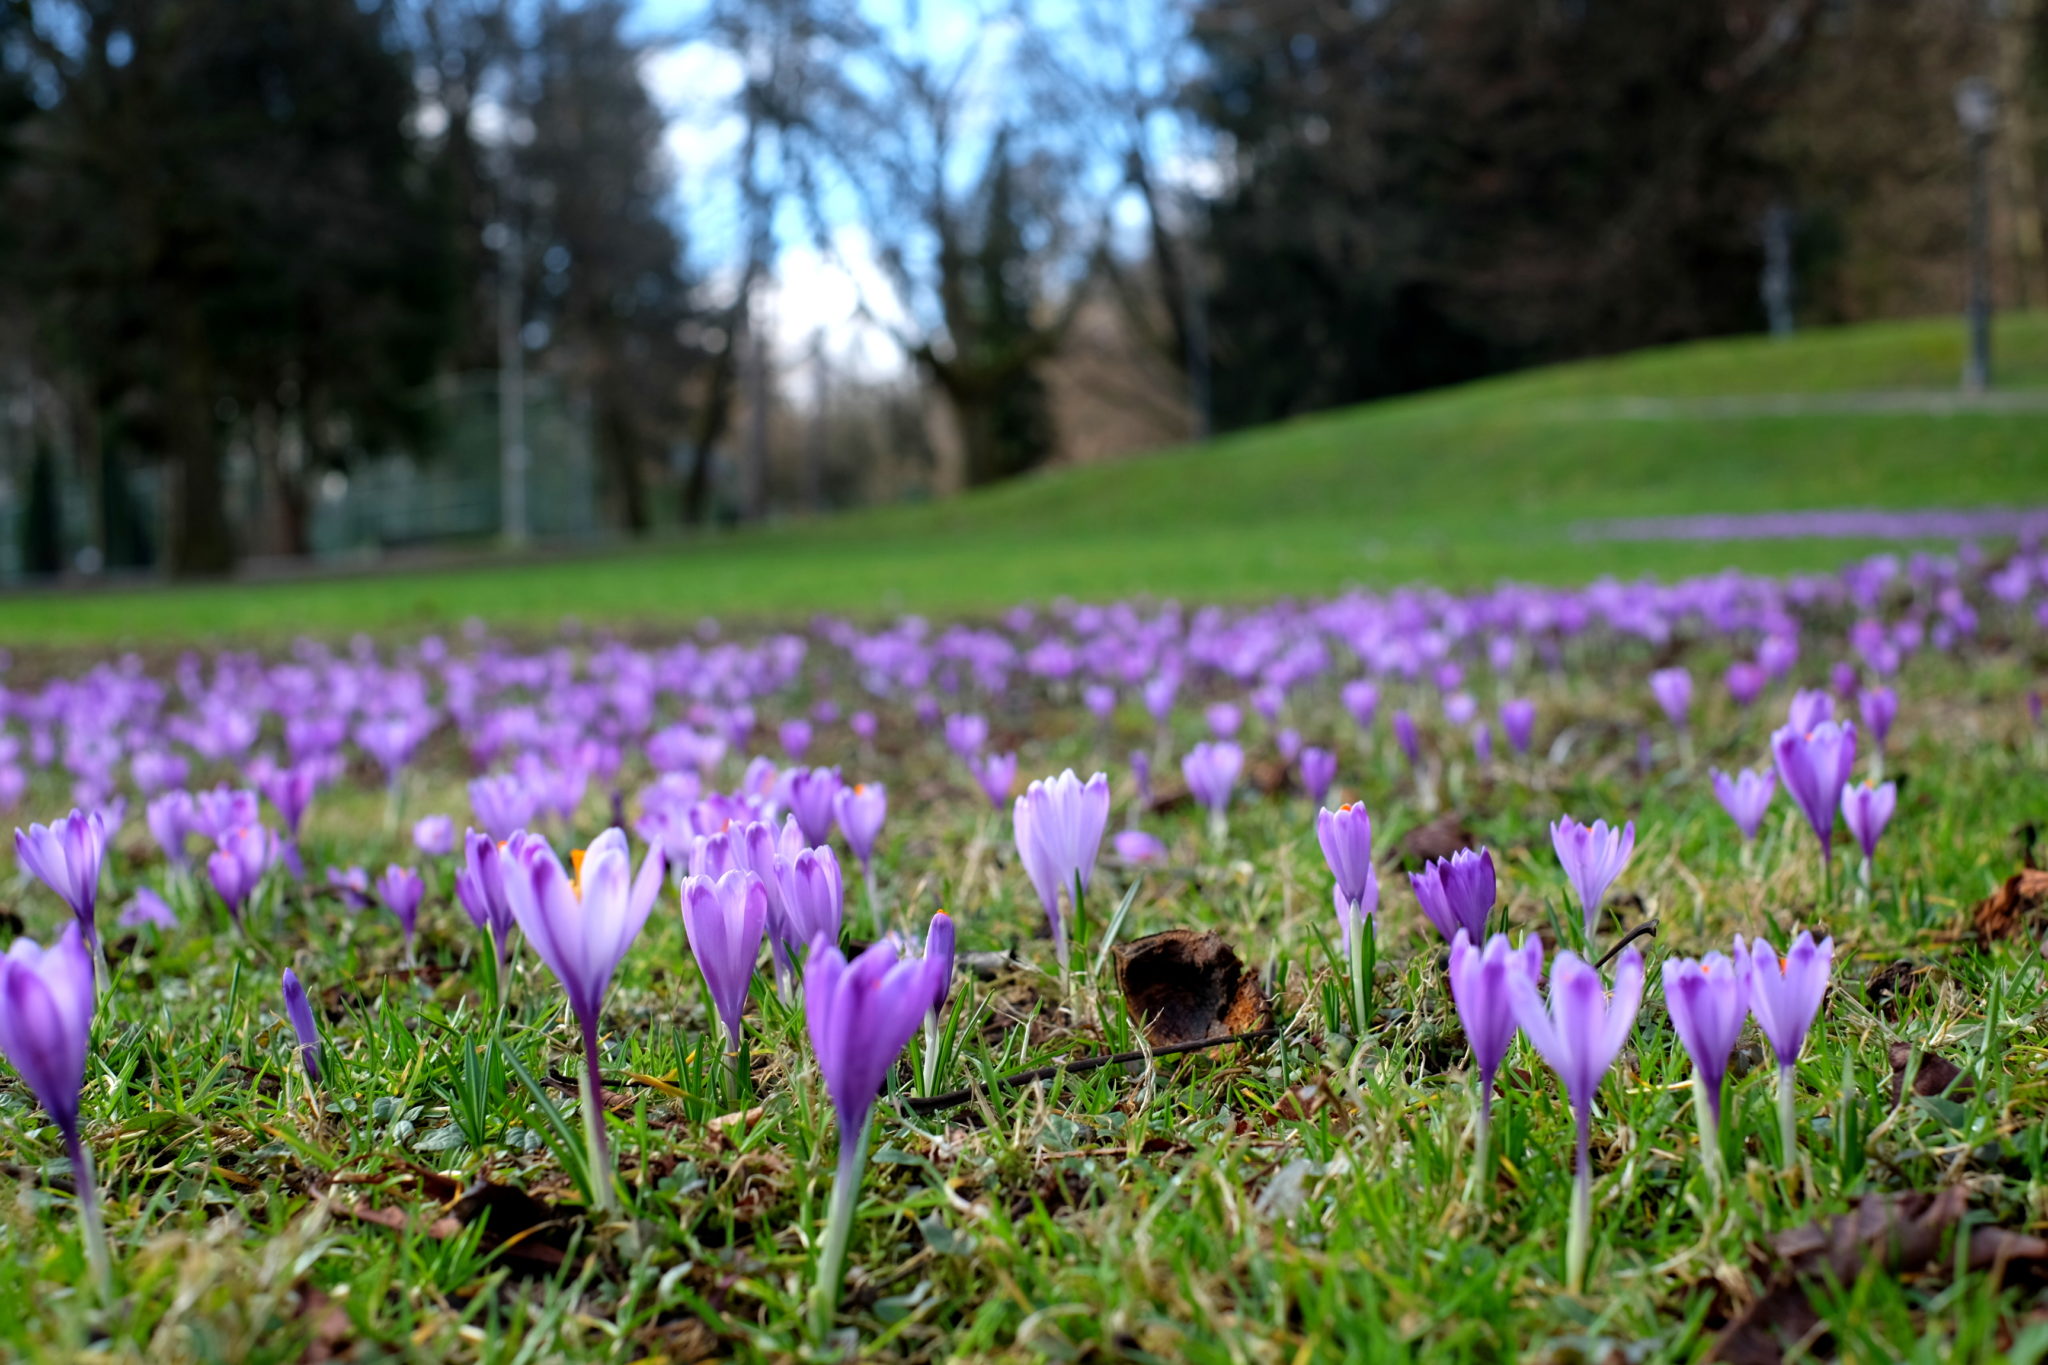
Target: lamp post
[(1977, 111)]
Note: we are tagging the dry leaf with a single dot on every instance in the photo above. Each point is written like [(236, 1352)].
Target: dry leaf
[(1934, 1075), (1186, 985), (1906, 1235), (1439, 838), (2015, 905), (532, 1235)]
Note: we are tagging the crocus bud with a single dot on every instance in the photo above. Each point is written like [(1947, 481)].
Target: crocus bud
[(1745, 797), (299, 1011), (725, 920), (1592, 857), (860, 810), (1457, 892)]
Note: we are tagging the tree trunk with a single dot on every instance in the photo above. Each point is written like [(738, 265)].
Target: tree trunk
[(201, 543), (622, 456)]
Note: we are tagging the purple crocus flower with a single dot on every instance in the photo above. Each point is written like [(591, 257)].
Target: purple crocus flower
[(299, 1012), (480, 888), (938, 966), (860, 1016), (1058, 824), (966, 733), (1223, 718), (1479, 988), (290, 791), (811, 795), (65, 856), (1457, 893), (582, 929), (1136, 846), (997, 776), (860, 809), (1100, 699), (1745, 682), (434, 835), (1362, 700), (1809, 708), (1867, 808), (1211, 770), (1592, 856), (1672, 687), (1318, 772), (146, 907), (1814, 765), (352, 885), (1141, 776), (1579, 1034), (1784, 997), (172, 819), (158, 770), (400, 890), (813, 896), (725, 920), (1346, 838), (46, 1009), (1159, 691), (1482, 744), (863, 725), (1708, 999), (796, 738), (1518, 723), (1288, 743), (236, 867), (1880, 707), (225, 809), (1745, 796), (502, 804), (1410, 742)]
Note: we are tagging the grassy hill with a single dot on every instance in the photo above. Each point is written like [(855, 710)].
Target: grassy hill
[(1460, 486)]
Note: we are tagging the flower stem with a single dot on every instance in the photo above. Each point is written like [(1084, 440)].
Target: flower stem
[(1364, 954), (1705, 1109), (1579, 1237), (593, 1125), (1482, 1144), (90, 1226), (1788, 1118), (867, 872), (931, 1052), (853, 1150)]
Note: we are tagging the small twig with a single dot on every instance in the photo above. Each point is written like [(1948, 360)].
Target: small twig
[(952, 1098), (1647, 929)]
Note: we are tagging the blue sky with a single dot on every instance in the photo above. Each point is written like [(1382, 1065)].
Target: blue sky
[(824, 291)]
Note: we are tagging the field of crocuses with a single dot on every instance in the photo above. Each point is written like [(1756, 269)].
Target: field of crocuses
[(1615, 974)]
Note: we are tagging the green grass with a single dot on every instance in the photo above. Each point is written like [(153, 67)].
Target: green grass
[(1301, 1202), (1456, 488)]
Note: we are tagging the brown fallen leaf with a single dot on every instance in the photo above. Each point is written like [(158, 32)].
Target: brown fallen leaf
[(1933, 1075), (2014, 906), (1888, 987), (530, 1234), (1269, 777), (1185, 985), (1169, 795), (332, 1334), (1905, 1235), (1438, 838)]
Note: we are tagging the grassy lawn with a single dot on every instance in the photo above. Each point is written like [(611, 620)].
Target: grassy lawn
[(1307, 1199), (1457, 488)]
